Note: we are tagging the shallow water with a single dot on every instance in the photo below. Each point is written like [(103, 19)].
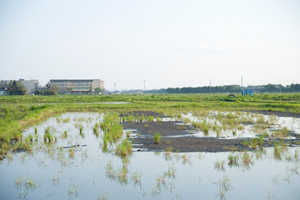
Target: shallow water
[(186, 176), (292, 124)]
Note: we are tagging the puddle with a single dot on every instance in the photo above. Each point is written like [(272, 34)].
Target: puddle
[(50, 172)]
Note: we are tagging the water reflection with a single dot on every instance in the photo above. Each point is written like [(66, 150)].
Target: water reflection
[(72, 166)]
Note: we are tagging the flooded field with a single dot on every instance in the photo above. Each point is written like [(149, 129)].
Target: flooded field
[(72, 158)]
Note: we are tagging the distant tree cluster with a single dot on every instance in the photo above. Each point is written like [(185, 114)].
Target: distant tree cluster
[(294, 87), (16, 88), (160, 91), (206, 89), (51, 91), (234, 89), (45, 92)]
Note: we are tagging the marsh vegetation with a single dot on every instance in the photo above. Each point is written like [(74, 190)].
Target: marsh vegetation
[(66, 151)]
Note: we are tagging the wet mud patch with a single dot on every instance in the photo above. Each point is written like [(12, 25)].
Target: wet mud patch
[(192, 144), (164, 128), (179, 137)]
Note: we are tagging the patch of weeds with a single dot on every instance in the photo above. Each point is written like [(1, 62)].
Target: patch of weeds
[(65, 134), (234, 132), (186, 120), (253, 143), (80, 131), (157, 137), (66, 120), (48, 137)]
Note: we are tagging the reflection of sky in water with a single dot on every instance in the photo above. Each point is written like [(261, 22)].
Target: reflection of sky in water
[(293, 124), (194, 179)]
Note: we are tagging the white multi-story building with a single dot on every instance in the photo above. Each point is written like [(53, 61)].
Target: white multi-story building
[(78, 86)]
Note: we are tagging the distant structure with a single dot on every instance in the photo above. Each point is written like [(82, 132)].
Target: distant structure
[(77, 86), (30, 85)]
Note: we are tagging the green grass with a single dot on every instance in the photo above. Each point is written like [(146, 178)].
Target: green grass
[(157, 137)]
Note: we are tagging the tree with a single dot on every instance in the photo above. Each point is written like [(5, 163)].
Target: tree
[(54, 88), (90, 89), (70, 89), (98, 89), (16, 88), (270, 87)]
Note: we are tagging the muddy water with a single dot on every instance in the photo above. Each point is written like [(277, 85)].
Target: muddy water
[(49, 173)]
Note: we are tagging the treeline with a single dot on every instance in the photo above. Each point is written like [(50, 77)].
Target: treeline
[(235, 89), (45, 92), (206, 89)]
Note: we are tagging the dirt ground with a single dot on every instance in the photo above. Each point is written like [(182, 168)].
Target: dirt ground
[(191, 144), (164, 128)]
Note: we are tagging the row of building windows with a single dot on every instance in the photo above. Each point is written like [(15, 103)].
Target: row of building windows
[(72, 83)]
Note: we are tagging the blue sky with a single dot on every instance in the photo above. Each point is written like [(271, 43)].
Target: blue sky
[(167, 43)]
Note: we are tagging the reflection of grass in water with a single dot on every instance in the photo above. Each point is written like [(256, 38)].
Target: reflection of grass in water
[(124, 148), (185, 158), (219, 165), (168, 150), (71, 152), (296, 155), (103, 197), (233, 160), (123, 176), (73, 190), (110, 172), (224, 185), (95, 130)]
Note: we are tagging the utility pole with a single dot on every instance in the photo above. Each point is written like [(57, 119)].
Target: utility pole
[(209, 85), (279, 86), (144, 85), (115, 86), (242, 82)]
